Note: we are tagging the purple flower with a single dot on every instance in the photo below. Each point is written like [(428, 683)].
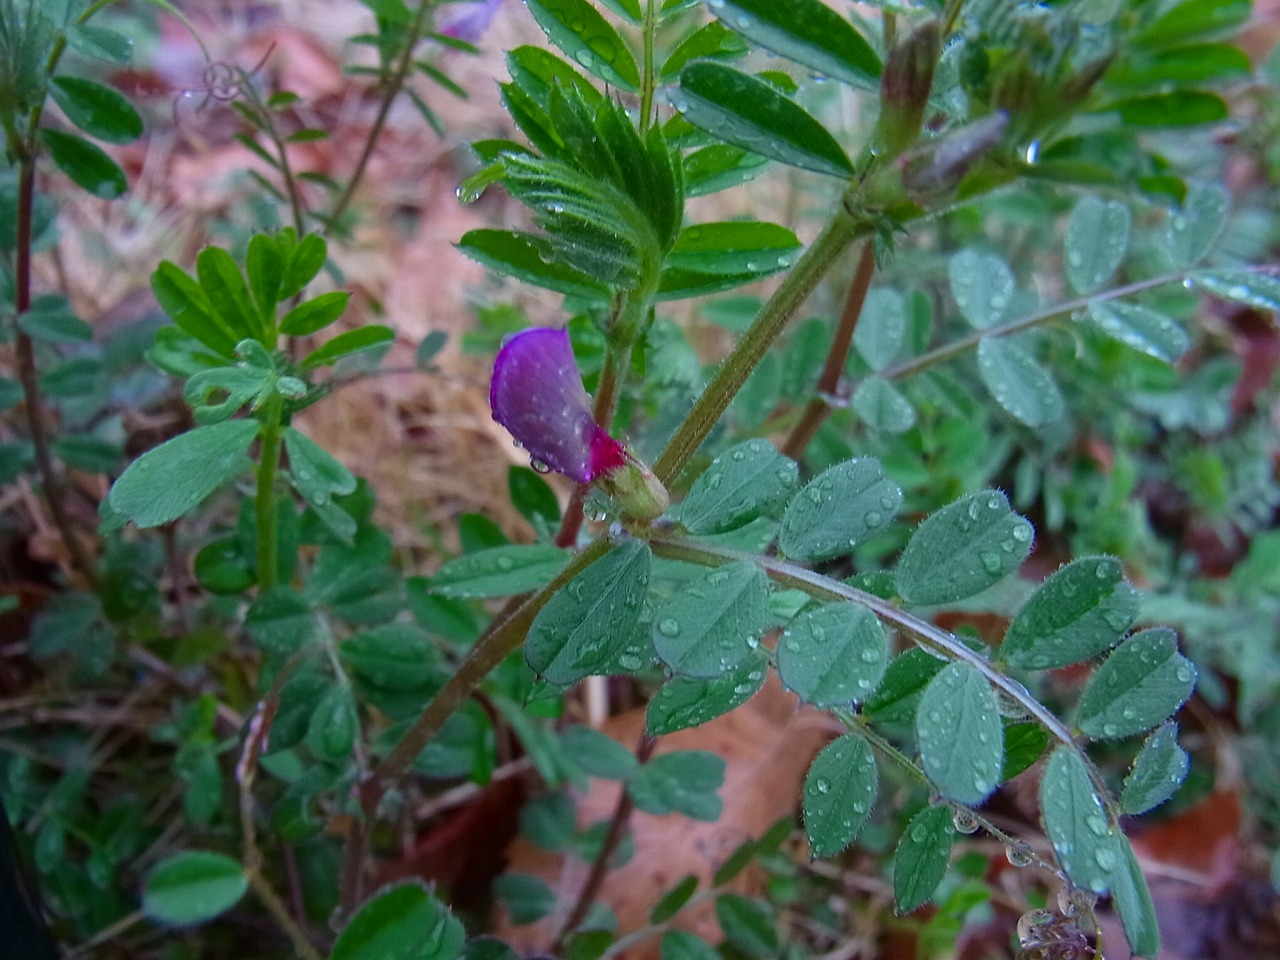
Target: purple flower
[(537, 394), (467, 21)]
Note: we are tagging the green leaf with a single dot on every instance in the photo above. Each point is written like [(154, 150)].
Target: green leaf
[(217, 394), (429, 349), (578, 631), (526, 898), (708, 625), (671, 902), (628, 9), (281, 621), (1132, 899), (500, 571), (682, 945), (682, 781), (314, 472), (264, 266), (1192, 20), (1096, 242), (1190, 66), (333, 727), (51, 318), (720, 166), (734, 246), (304, 263), (312, 316), (228, 294), (577, 28), (808, 32), (1158, 771), (529, 258), (101, 43), (404, 922), (711, 41), (10, 393), (193, 887), (182, 298), (921, 858), (1020, 385), (598, 754), (961, 737), (171, 479), (1258, 290), (1141, 328), (1076, 823), (1079, 612), (1193, 229), (684, 702), (962, 549), (751, 114), (87, 165), (676, 284), (749, 925), (1024, 744), (745, 481), (895, 699), (833, 654), (838, 509), (549, 821), (373, 336), (222, 568), (98, 110), (532, 496), (882, 328), (839, 792), (882, 407), (1142, 683), (1178, 108), (982, 285), (393, 656)]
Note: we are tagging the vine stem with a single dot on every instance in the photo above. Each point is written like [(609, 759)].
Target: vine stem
[(819, 407), (840, 231), (265, 502), (395, 84)]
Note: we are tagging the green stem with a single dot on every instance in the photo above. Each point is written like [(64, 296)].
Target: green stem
[(649, 82), (841, 230), (268, 470)]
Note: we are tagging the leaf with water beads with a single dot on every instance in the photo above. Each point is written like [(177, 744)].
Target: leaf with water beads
[(962, 549), (1258, 290), (531, 259), (833, 654), (982, 285), (838, 509), (499, 571), (808, 32), (709, 625), (577, 28), (684, 702), (1077, 613), (1192, 229), (1158, 771), (1015, 381), (745, 481), (921, 858), (839, 793), (1096, 242), (1076, 823), (751, 114), (735, 246), (1141, 328), (1132, 899), (882, 407), (1140, 685), (960, 734), (579, 629)]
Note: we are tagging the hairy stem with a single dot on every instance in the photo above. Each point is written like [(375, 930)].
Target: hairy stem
[(841, 230), (268, 470), (829, 383), (649, 82)]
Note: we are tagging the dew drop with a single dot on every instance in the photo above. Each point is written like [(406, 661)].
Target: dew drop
[(1018, 854), (822, 785), (964, 821), (506, 563), (669, 627), (537, 466)]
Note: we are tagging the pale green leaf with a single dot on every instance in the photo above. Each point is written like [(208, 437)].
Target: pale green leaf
[(1142, 683), (1097, 240), (1020, 385), (960, 734), (838, 509), (833, 654)]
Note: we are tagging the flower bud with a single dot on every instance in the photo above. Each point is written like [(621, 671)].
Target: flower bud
[(937, 167), (904, 88)]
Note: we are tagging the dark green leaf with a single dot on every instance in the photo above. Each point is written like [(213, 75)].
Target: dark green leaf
[(580, 31), (579, 630), (264, 265), (1258, 290), (921, 859), (10, 393), (280, 621), (882, 407), (808, 32), (530, 259), (100, 42), (404, 922), (227, 292), (1193, 229), (1077, 613), (683, 781), (684, 702), (52, 319), (751, 114), (1189, 66), (833, 654), (670, 903), (187, 306), (526, 898), (549, 821), (1192, 20), (629, 9), (222, 568), (895, 699), (839, 792), (305, 262), (373, 336), (1179, 108), (734, 246), (679, 284), (1132, 898), (499, 571), (711, 41), (838, 509), (748, 925), (598, 754), (1076, 823), (962, 549), (193, 887), (312, 316), (961, 737), (87, 165), (1141, 328), (719, 167), (169, 480), (982, 285), (333, 727), (708, 625), (1142, 683), (1024, 744), (98, 110), (1158, 772), (533, 497), (394, 656), (745, 481)]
